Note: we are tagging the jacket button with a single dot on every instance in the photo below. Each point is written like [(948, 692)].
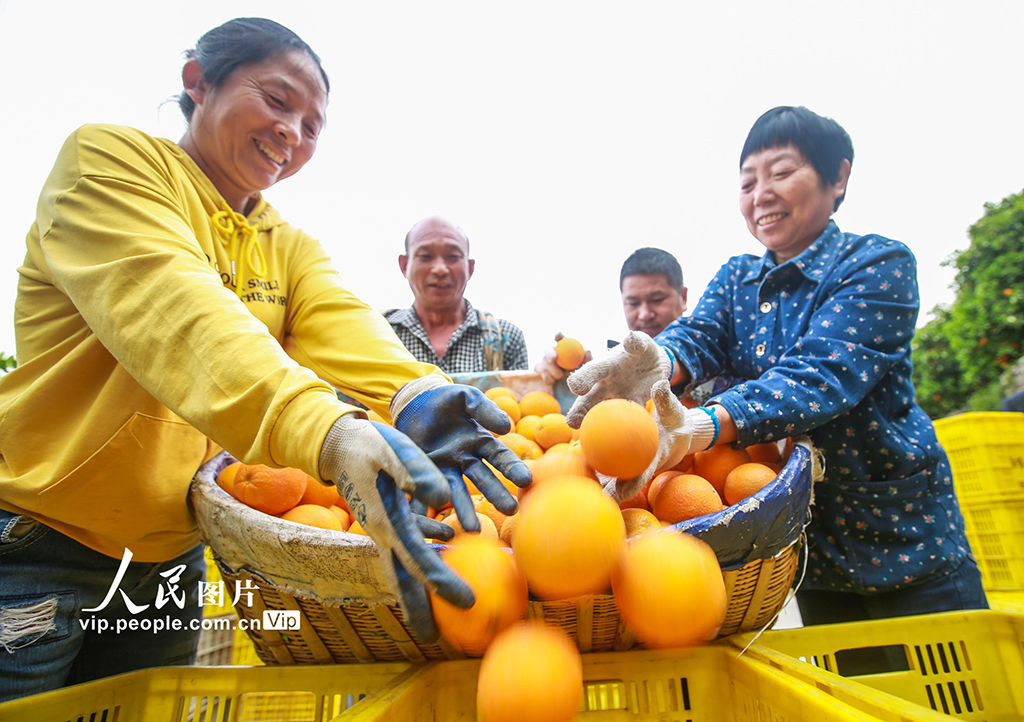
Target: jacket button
[(760, 349), (766, 307)]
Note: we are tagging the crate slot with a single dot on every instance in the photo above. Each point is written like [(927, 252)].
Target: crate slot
[(874, 659)]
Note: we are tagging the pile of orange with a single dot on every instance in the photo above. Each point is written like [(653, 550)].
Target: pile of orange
[(708, 482), (287, 493)]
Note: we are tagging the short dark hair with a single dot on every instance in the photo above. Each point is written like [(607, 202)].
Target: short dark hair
[(653, 260), (240, 42), (822, 141)]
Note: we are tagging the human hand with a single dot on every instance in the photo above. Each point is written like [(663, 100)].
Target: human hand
[(627, 372), (681, 431), (373, 467), (452, 423), (548, 367)]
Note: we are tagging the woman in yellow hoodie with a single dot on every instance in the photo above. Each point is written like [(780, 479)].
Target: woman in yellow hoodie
[(164, 310)]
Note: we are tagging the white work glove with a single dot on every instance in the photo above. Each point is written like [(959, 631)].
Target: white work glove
[(373, 466), (627, 372), (681, 431)]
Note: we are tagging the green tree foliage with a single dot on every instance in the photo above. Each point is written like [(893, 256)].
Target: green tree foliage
[(7, 362), (960, 354), (937, 373)]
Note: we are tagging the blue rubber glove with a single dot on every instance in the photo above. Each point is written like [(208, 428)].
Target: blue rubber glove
[(373, 467), (453, 424)]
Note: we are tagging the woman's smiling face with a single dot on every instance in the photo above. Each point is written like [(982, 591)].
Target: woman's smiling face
[(259, 127), (784, 200)]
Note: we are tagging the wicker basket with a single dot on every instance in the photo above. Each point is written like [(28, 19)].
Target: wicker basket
[(347, 613)]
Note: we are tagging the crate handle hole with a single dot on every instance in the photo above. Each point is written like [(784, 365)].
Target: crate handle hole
[(858, 661)]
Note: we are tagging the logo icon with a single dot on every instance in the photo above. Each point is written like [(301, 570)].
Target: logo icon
[(281, 620)]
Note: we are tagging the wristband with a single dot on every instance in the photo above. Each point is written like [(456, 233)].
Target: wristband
[(718, 425), (671, 363)]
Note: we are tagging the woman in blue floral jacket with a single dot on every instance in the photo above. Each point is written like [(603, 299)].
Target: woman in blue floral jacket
[(820, 329)]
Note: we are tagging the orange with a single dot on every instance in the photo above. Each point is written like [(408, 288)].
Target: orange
[(508, 529), (569, 353), (619, 438), (521, 446), (639, 521), (568, 538), (356, 528), (685, 463), (526, 425), (655, 485), (745, 480), (487, 527), (532, 673), (226, 477), (499, 587), (551, 430), (272, 491), (555, 464), (669, 590), (500, 391), (560, 448), (317, 493), (485, 507), (538, 403), (787, 449), (686, 496), (716, 463), (510, 407), (343, 516), (764, 452), (313, 515), (637, 502)]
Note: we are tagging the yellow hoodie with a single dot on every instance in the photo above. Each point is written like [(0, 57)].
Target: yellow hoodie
[(137, 346)]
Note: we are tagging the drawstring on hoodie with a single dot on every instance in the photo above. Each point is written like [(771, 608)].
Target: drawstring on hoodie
[(231, 225)]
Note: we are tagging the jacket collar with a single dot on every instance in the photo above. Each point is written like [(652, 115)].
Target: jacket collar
[(811, 262)]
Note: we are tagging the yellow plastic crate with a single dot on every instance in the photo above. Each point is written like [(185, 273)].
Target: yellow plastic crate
[(209, 694), (1006, 601), (995, 528), (986, 452), (707, 684), (968, 665), (225, 643)]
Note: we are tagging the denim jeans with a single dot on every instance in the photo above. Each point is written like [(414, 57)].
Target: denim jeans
[(951, 592), (47, 641)]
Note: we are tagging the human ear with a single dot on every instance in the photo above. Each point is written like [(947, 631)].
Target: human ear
[(472, 265), (192, 81), (839, 187), (403, 264)]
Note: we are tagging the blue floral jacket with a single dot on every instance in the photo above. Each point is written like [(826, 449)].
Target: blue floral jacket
[(823, 342)]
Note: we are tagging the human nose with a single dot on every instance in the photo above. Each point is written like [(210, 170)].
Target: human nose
[(764, 191), (646, 312), (439, 267), (288, 129)]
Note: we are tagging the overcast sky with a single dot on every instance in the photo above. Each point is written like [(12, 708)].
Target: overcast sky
[(560, 135)]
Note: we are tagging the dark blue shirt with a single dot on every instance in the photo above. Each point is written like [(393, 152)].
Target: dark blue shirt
[(823, 343)]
